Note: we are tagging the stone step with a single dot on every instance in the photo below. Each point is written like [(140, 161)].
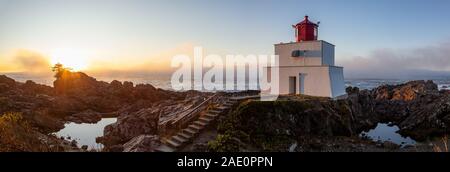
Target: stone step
[(172, 143), (221, 108), (164, 148), (211, 116), (235, 98), (232, 100), (179, 139), (184, 135), (200, 123), (228, 104), (215, 111), (190, 132), (205, 119), (195, 127)]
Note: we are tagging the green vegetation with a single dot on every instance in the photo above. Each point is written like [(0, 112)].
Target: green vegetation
[(59, 70), (17, 135), (276, 125), (223, 143), (265, 125)]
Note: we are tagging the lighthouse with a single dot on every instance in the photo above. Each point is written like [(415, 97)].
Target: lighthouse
[(307, 66)]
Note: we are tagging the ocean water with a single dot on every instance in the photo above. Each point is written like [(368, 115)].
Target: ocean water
[(163, 81), (85, 134)]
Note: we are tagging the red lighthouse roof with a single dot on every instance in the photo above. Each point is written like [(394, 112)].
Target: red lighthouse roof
[(306, 30), (306, 22)]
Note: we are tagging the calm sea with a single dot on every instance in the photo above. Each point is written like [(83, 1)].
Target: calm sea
[(163, 81)]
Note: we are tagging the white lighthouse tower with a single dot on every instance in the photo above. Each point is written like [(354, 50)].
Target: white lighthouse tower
[(307, 65)]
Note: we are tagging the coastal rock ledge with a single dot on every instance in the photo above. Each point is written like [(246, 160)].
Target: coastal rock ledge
[(292, 123), (418, 108)]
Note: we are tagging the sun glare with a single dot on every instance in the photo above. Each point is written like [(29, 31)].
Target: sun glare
[(76, 60)]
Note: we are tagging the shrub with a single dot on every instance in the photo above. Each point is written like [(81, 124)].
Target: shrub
[(223, 143), (17, 135)]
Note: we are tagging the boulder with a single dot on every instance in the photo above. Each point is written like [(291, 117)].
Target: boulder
[(406, 92), (116, 84), (7, 81), (144, 121), (352, 90), (74, 143), (390, 145), (88, 116), (32, 88), (77, 83)]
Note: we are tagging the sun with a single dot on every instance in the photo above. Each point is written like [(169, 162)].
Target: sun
[(75, 60)]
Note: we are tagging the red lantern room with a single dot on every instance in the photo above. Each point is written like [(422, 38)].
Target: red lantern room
[(306, 30)]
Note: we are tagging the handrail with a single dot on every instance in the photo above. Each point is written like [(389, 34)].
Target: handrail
[(191, 112)]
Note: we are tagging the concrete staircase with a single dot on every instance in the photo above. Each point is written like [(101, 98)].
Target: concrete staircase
[(186, 135)]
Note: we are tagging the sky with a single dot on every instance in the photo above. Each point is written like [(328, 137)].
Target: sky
[(373, 38)]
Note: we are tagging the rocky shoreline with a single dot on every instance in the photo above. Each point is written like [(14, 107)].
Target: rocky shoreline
[(79, 98), (418, 108), (292, 123)]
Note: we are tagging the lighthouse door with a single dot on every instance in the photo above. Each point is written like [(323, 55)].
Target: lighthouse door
[(301, 81), (292, 85)]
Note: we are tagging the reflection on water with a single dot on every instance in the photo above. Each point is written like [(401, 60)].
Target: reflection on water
[(384, 132), (85, 134)]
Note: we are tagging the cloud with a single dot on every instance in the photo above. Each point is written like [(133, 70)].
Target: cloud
[(156, 63), (26, 61), (32, 61), (427, 61)]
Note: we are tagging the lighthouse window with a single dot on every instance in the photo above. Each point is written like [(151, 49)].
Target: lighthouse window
[(296, 53)]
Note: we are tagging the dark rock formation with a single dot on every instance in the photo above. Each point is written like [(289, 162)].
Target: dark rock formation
[(139, 119), (144, 121), (77, 97), (405, 92), (272, 125), (6, 83), (34, 101), (101, 96), (417, 107), (88, 116)]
